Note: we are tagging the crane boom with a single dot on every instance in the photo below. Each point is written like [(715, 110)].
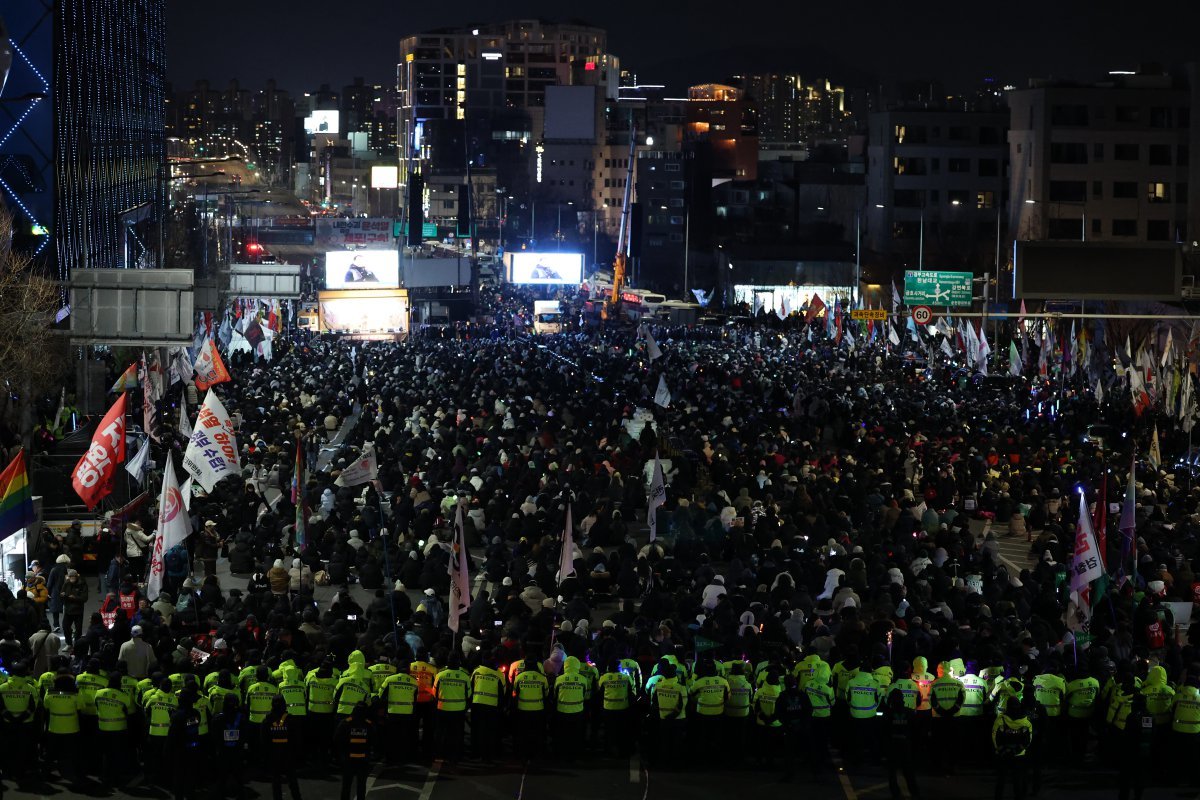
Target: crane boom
[(623, 231)]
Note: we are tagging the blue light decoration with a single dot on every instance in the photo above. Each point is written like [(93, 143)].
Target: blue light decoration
[(80, 161)]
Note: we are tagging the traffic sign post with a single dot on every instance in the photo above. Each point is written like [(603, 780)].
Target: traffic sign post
[(922, 315), (937, 287)]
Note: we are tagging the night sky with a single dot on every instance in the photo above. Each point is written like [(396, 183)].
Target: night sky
[(304, 43)]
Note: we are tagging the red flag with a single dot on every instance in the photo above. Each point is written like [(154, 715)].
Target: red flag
[(837, 321), (815, 306), (92, 478)]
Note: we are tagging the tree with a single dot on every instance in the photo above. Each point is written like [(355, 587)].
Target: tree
[(32, 356)]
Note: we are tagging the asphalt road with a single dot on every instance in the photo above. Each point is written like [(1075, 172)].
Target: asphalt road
[(618, 779)]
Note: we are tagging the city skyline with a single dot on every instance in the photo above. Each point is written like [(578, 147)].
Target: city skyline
[(956, 45)]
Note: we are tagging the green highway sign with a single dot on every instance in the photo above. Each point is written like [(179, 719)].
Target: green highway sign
[(428, 230), (937, 288)]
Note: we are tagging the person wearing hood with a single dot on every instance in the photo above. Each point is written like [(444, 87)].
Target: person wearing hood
[(571, 691)]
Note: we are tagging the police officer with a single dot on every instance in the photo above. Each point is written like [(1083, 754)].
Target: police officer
[(260, 697), (19, 699), (570, 694), (530, 692), (863, 696), (1082, 693), (63, 706), (184, 746), (820, 700), (898, 745), (737, 709), (291, 689), (1185, 729), (277, 742), (616, 696), (1012, 733), (668, 702), (1136, 749), (90, 681), (709, 693), (113, 708), (425, 674), (320, 686), (159, 705), (488, 687), (353, 738), (399, 694), (946, 698), (228, 728), (452, 687)]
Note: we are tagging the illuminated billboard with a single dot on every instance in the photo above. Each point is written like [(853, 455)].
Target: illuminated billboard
[(363, 311), (365, 269), (385, 177), (545, 268), (322, 122)]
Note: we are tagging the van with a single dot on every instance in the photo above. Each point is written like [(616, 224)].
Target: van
[(547, 316)]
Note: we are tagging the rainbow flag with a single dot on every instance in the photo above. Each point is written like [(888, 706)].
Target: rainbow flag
[(16, 500), (126, 380)]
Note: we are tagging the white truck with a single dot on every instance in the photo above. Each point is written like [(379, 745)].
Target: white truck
[(547, 316)]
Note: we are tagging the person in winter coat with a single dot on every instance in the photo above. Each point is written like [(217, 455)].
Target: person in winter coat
[(54, 584), (279, 579), (74, 594), (137, 544), (300, 577)]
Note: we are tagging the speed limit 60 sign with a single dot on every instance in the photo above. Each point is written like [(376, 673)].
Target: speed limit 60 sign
[(922, 315)]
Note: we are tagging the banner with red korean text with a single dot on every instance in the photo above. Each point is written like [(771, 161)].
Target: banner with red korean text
[(212, 452)]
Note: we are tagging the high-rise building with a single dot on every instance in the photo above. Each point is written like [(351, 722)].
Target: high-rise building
[(490, 80), (1107, 161), (81, 156), (258, 125), (793, 112)]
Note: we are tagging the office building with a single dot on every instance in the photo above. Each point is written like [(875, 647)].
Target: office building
[(725, 120), (936, 185), (80, 160), (1106, 161)]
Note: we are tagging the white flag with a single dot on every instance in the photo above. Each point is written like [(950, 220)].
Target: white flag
[(1099, 392), (662, 396), (212, 451), (1155, 454), (181, 365), (185, 424), (1086, 565), (460, 576), (364, 470), (186, 491), (566, 559), (1166, 356), (658, 496), (652, 348), (1014, 360), (892, 336), (173, 528), (137, 465)]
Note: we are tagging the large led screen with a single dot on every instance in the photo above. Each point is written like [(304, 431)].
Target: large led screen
[(545, 268), (324, 121), (362, 269), (363, 312)]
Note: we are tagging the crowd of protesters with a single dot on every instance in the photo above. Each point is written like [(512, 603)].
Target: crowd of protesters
[(825, 582)]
